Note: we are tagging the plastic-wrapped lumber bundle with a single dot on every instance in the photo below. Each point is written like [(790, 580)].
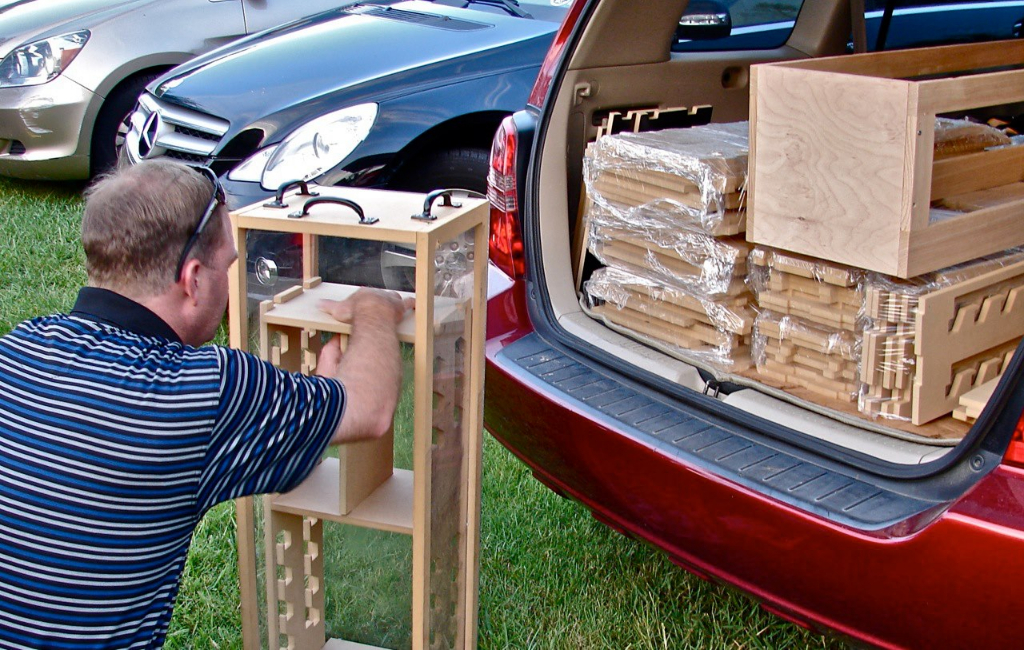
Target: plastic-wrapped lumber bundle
[(791, 351), (807, 333), (685, 257), (664, 179), (931, 340), (821, 292), (712, 332), (663, 211)]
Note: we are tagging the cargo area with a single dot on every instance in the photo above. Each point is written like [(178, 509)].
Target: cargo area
[(788, 238)]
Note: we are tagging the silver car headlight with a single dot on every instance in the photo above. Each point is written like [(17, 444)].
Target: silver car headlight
[(40, 61), (310, 150)]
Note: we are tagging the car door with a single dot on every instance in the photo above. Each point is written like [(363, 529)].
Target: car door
[(264, 14)]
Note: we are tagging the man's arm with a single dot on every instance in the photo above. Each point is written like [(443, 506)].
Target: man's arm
[(371, 366)]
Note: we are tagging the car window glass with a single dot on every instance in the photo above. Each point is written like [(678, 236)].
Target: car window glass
[(756, 24), (923, 23)]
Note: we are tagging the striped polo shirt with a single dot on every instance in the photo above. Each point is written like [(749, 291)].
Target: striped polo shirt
[(115, 439)]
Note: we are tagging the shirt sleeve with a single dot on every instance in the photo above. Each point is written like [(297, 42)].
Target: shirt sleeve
[(271, 428)]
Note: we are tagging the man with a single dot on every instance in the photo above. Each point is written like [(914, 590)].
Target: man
[(117, 432)]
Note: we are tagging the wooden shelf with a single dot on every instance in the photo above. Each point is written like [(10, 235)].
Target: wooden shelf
[(338, 644), (389, 507), (297, 308)]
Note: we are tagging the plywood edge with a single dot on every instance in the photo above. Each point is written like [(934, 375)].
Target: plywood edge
[(977, 171), (752, 149), (918, 61), (963, 238)]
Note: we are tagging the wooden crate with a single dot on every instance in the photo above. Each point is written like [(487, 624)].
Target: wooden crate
[(841, 157)]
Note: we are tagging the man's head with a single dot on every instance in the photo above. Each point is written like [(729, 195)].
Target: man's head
[(139, 231), (137, 222)]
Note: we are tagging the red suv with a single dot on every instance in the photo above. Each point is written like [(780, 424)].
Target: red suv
[(837, 523)]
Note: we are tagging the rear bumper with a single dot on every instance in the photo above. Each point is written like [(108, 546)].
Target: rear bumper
[(41, 131), (888, 588)]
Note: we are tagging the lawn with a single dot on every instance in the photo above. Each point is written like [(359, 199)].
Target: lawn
[(550, 576)]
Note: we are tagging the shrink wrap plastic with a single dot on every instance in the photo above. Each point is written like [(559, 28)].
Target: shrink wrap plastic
[(661, 208), (806, 333), (955, 137), (821, 292), (890, 334), (668, 179), (715, 333), (684, 257), (794, 351)]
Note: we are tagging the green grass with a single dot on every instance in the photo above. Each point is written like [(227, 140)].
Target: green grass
[(550, 578)]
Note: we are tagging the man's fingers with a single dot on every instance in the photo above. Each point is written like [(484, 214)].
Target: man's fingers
[(329, 358), (343, 310), (339, 309)]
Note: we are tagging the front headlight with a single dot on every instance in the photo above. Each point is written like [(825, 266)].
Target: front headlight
[(36, 63), (311, 150)]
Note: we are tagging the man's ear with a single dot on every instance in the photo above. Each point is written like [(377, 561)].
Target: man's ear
[(188, 282)]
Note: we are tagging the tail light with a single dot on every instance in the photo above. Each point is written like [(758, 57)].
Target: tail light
[(1015, 453), (506, 240)]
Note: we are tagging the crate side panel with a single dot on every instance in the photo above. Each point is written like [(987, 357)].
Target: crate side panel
[(830, 165)]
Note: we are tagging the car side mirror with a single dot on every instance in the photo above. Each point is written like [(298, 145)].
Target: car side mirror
[(704, 20)]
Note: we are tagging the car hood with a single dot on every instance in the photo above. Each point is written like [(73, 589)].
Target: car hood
[(352, 55), (26, 20)]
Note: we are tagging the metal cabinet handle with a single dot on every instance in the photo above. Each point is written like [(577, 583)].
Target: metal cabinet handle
[(446, 201), (338, 201), (278, 201)]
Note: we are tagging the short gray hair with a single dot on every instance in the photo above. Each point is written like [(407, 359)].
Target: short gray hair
[(137, 220)]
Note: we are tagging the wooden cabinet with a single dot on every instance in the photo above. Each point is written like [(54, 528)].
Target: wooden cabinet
[(437, 502)]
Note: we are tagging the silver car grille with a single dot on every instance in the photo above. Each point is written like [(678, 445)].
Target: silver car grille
[(158, 129)]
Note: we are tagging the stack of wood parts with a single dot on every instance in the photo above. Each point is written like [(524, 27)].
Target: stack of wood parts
[(806, 334), (664, 214), (714, 331), (974, 401), (932, 342), (692, 176)]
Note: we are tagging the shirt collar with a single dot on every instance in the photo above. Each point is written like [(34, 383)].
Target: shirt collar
[(110, 308)]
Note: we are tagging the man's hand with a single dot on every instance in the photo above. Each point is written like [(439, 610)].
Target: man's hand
[(370, 366), (367, 299)]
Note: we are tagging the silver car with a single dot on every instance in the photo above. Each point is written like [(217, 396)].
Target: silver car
[(72, 70)]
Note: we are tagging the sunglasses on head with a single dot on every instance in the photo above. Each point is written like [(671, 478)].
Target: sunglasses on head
[(217, 199)]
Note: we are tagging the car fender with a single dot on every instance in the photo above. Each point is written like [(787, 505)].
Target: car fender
[(447, 116), (94, 71), (155, 62)]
